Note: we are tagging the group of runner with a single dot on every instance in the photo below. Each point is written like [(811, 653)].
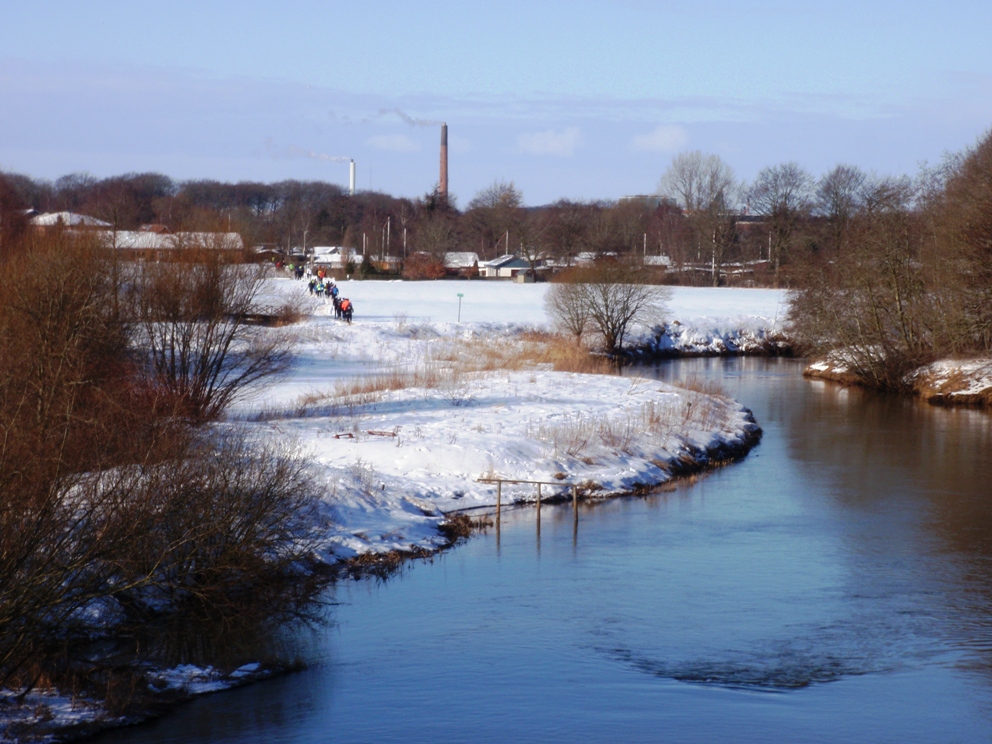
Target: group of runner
[(321, 285)]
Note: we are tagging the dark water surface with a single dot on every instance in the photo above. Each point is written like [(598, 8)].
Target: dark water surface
[(834, 586)]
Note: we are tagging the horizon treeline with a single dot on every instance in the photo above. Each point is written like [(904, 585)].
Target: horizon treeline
[(714, 228)]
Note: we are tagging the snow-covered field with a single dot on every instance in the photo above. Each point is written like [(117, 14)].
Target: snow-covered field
[(400, 419)]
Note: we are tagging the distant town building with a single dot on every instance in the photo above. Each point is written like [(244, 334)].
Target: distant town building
[(163, 246), (461, 263), (335, 256), (504, 267), (68, 219)]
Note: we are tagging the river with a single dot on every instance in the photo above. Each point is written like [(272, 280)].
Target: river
[(836, 585)]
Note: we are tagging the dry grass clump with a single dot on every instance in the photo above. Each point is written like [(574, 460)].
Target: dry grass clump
[(701, 385), (657, 421), (527, 351), (458, 526), (565, 355)]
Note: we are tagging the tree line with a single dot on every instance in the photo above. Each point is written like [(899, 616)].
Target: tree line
[(903, 275), (713, 227)]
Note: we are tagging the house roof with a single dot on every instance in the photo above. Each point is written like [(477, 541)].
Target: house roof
[(504, 261), (657, 261), (461, 260), (137, 240), (69, 219)]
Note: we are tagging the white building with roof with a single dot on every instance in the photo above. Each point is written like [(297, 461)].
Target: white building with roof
[(157, 246), (461, 263), (335, 256), (68, 219), (504, 267)]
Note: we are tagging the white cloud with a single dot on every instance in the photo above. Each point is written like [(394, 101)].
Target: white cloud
[(561, 144), (394, 143), (663, 138)]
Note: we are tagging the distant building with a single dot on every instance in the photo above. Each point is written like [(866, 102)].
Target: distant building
[(68, 219), (335, 256), (164, 246), (504, 267), (461, 263)]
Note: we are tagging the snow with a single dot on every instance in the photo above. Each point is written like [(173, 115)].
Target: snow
[(489, 301), (955, 380), (400, 413), (45, 715)]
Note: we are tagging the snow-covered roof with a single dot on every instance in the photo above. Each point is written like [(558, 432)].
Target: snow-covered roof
[(657, 261), (69, 219), (503, 261), (138, 240), (461, 260), (336, 255)]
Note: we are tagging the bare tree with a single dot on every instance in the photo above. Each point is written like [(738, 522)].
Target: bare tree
[(495, 216), (706, 188), (612, 296), (839, 196), (965, 213), (568, 306), (566, 234), (783, 194)]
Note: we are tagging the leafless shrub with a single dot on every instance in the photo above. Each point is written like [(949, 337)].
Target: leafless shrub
[(193, 321), (617, 433), (365, 476)]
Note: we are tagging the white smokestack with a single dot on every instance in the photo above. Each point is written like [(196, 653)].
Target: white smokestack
[(351, 178)]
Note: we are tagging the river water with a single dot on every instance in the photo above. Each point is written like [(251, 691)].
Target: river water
[(836, 585)]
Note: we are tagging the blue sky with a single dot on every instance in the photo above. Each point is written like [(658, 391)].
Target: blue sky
[(587, 99)]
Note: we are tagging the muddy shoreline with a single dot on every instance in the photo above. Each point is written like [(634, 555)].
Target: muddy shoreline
[(952, 389)]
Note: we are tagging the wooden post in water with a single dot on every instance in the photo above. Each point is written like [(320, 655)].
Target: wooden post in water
[(575, 515), (499, 498), (539, 516)]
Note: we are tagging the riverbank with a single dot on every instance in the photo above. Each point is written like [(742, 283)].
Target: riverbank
[(946, 382), (401, 413)]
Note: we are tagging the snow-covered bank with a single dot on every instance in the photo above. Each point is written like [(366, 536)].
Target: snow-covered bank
[(395, 461), (966, 382), (46, 715), (955, 382), (698, 321), (403, 411)]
